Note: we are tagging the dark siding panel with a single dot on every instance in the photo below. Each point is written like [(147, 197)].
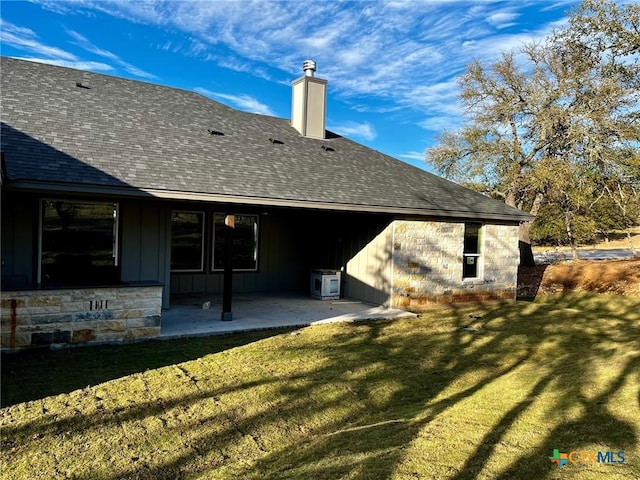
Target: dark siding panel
[(291, 243), (266, 243), (130, 232), (165, 247), (214, 283), (185, 284), (144, 233), (279, 262), (287, 253), (199, 282), (19, 241), (150, 251)]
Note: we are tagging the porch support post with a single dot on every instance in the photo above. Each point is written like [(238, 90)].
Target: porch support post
[(229, 224)]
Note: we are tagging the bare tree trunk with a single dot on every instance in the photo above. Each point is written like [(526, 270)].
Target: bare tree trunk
[(572, 240), (631, 246)]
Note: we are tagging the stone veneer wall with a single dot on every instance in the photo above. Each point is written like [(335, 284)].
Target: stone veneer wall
[(83, 315), (427, 264)]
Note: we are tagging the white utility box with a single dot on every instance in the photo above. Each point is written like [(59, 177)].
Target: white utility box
[(325, 284)]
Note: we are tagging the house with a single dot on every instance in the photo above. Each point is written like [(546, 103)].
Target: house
[(118, 195)]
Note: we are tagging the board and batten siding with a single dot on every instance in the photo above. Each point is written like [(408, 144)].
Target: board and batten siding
[(292, 243), (368, 273), (19, 239), (142, 231), (144, 243), (282, 265)]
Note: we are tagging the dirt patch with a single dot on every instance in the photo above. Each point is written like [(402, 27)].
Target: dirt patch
[(621, 277)]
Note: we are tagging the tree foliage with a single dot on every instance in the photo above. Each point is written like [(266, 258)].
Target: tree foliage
[(555, 126)]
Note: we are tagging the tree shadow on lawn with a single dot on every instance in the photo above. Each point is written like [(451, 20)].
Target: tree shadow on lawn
[(569, 373), (379, 386), (596, 428), (34, 374), (377, 445)]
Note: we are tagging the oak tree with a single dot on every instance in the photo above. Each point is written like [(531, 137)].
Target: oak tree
[(554, 122)]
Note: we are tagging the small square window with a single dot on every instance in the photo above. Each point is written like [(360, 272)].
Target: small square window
[(472, 250)]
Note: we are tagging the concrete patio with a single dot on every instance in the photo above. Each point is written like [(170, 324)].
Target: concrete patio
[(188, 318)]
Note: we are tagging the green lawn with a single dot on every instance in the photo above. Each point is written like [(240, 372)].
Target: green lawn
[(405, 399)]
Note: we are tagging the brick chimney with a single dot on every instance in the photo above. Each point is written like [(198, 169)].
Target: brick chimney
[(309, 102)]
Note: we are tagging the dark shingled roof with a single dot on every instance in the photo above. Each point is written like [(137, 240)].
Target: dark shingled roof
[(63, 126)]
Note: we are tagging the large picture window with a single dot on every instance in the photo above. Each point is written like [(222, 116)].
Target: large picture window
[(472, 250), (78, 243), (245, 242), (187, 241)]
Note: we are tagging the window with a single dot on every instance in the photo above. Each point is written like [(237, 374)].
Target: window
[(78, 243), (245, 242), (187, 241), (471, 253)]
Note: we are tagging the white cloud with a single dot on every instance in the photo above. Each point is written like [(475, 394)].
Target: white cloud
[(413, 155), (85, 44), (363, 130), (242, 101), (440, 123), (26, 39), (502, 19), (401, 53), (440, 96), (239, 66), (77, 64), (6, 27)]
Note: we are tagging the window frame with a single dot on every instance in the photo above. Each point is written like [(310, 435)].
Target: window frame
[(202, 242), (256, 236), (479, 256), (116, 228)]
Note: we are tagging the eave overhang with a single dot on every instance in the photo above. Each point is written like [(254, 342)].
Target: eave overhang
[(160, 194)]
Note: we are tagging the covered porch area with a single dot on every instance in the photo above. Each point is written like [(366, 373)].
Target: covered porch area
[(196, 315)]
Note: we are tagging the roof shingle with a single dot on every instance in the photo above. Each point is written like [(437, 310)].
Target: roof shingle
[(126, 134)]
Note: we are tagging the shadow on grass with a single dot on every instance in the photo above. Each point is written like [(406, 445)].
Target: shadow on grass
[(35, 374), (378, 388), (596, 426), (388, 428)]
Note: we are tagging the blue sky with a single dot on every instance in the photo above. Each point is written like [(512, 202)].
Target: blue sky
[(391, 66)]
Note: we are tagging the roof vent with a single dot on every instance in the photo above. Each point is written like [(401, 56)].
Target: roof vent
[(80, 85), (309, 67), (215, 133), (275, 141)]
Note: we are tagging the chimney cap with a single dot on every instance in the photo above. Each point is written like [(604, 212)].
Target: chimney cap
[(309, 67)]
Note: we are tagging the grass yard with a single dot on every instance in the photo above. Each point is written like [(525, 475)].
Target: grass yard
[(405, 399)]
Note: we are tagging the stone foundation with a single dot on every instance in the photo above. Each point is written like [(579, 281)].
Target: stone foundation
[(79, 316), (416, 302)]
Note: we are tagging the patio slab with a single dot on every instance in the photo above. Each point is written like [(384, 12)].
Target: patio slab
[(187, 317)]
